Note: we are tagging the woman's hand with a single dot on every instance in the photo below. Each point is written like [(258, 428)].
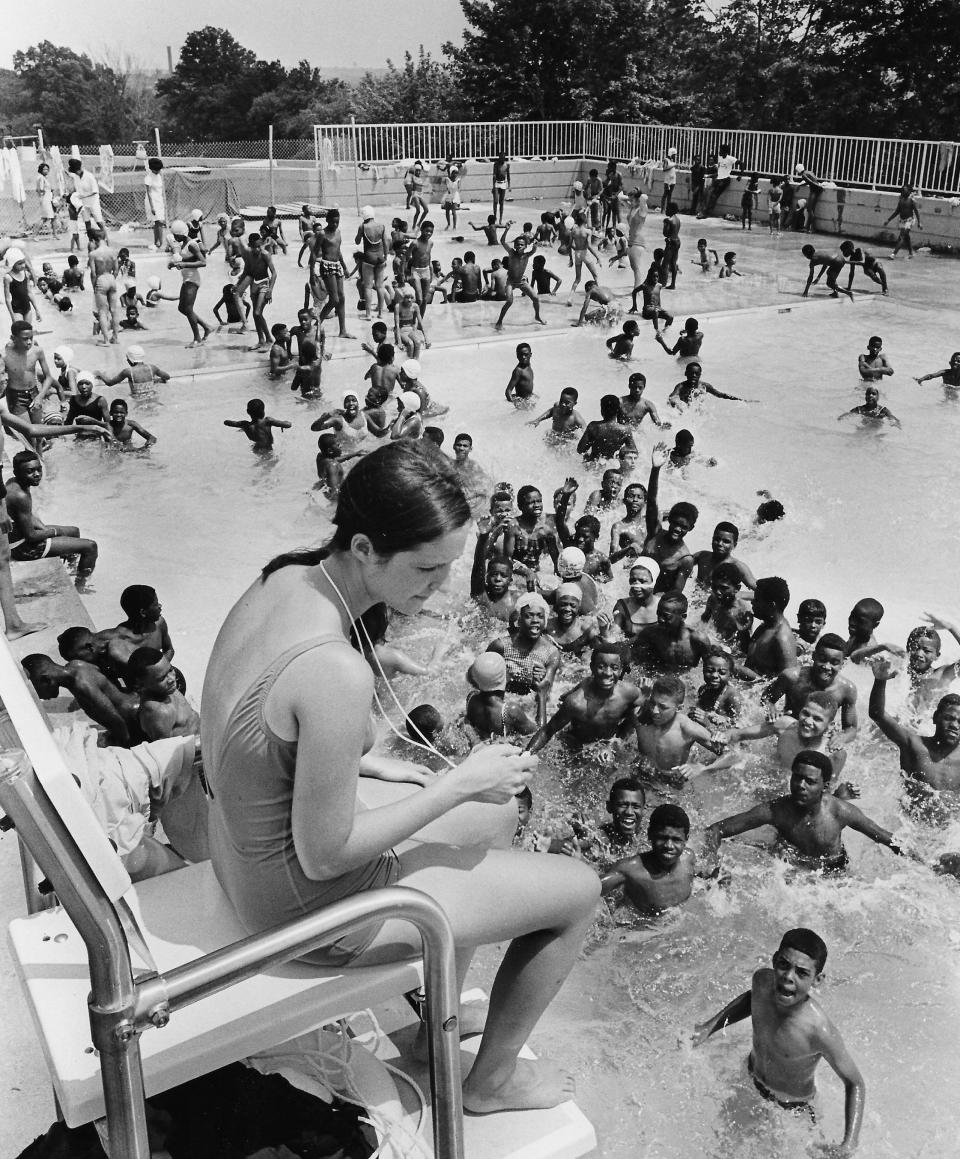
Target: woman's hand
[(494, 773)]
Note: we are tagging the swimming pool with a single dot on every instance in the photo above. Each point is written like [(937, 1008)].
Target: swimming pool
[(868, 513)]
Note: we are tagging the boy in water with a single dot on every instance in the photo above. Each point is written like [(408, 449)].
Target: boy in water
[(665, 735), (565, 420), (809, 821), (164, 710), (232, 305), (773, 646), (281, 359), (808, 732), (667, 545), (520, 387), (811, 620), (599, 708), (611, 482), (822, 675), (730, 266), (652, 309), (863, 621), (491, 229), (259, 426), (871, 409), (718, 703), (634, 407), (874, 364), (485, 715), (123, 428), (730, 616), (689, 342), (545, 281), (329, 469), (594, 294), (663, 876), (726, 536), (621, 345), (791, 1033), (693, 387), (669, 643), (703, 256)]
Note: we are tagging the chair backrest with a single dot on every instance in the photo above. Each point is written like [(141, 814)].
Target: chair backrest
[(50, 769)]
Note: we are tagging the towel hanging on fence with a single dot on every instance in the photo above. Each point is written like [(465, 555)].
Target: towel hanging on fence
[(13, 172), (105, 171), (56, 169), (75, 152)]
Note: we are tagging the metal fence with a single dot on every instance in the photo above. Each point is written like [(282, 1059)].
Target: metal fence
[(861, 162)]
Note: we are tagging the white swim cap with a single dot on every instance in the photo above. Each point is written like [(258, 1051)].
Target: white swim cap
[(648, 564), (64, 353), (410, 401), (411, 368), (532, 600), (578, 185), (799, 167), (367, 213), (196, 214), (136, 354), (14, 255), (571, 563), (350, 394), (671, 152), (569, 222), (568, 589), (154, 282), (85, 376), (179, 228)]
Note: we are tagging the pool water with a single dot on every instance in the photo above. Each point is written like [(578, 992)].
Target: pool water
[(869, 513)]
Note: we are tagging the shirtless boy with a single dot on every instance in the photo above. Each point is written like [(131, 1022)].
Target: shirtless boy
[(773, 646), (821, 675), (98, 697), (665, 735), (669, 643), (565, 420), (693, 386), (663, 876), (326, 250), (718, 703), (517, 257), (791, 1033), (730, 617), (599, 708), (809, 822), (519, 389), (874, 365), (808, 730), (667, 545), (950, 376), (22, 363), (259, 426), (164, 710), (829, 264), (583, 250), (634, 407), (599, 296), (726, 536), (123, 428)]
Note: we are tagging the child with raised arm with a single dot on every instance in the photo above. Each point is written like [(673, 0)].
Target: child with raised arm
[(950, 377), (667, 545), (259, 426), (663, 876), (791, 1034)]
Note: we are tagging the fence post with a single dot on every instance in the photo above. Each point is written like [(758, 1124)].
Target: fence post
[(156, 141), (876, 163), (270, 160), (356, 161)]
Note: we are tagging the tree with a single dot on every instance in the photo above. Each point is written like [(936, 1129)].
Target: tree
[(302, 99), (214, 85), (424, 89), (73, 98)]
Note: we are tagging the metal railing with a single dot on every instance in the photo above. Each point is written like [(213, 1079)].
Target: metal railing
[(863, 162)]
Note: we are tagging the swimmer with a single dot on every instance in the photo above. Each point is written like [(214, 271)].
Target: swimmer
[(492, 575), (829, 264), (689, 342), (927, 678), (821, 675), (729, 269), (718, 703), (693, 387), (669, 644), (867, 261), (473, 479), (773, 646), (582, 249), (105, 704), (144, 626), (123, 428), (18, 290), (408, 424), (486, 715), (730, 616), (602, 438), (791, 1033), (164, 710), (703, 256), (667, 545), (190, 259), (811, 620), (142, 376), (532, 659), (519, 389), (531, 534), (586, 532), (259, 426), (545, 281), (600, 707), (330, 471), (871, 409), (571, 632), (652, 310), (570, 568), (620, 345), (725, 538), (634, 407), (602, 297), (565, 420), (950, 377), (682, 453), (808, 731), (809, 821), (863, 621), (663, 876), (665, 735), (281, 359), (874, 365), (611, 482), (638, 608)]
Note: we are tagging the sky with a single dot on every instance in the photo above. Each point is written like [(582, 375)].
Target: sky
[(363, 33)]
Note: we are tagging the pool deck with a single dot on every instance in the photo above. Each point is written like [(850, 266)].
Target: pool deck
[(773, 270)]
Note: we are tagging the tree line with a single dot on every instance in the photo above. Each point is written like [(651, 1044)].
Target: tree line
[(852, 67)]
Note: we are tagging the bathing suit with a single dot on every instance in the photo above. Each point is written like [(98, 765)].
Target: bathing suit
[(22, 549), (520, 677), (788, 1104), (828, 863), (331, 268), (104, 284), (91, 408), (251, 835), (20, 295), (374, 253)]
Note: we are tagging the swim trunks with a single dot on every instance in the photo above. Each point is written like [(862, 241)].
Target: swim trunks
[(104, 284), (830, 863), (23, 550), (332, 268), (805, 1106)]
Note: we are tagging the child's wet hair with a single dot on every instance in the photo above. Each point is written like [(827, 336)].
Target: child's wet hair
[(726, 572), (627, 785), (729, 529), (673, 600), (668, 816), (671, 686), (830, 641), (823, 700), (807, 942), (775, 590), (571, 392), (811, 608), (923, 632), (588, 523), (870, 607), (256, 408), (683, 510), (814, 760), (770, 510), (424, 723)]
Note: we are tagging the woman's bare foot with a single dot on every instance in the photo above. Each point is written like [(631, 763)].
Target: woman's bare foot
[(23, 629), (471, 1021), (533, 1084)]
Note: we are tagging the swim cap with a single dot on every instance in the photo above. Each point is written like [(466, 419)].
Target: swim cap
[(85, 376), (411, 368), (222, 219), (568, 589), (671, 152), (350, 394), (569, 222), (571, 563), (196, 214), (15, 255), (154, 282), (136, 354), (532, 600), (408, 292), (578, 185), (799, 167), (488, 672), (129, 283), (649, 564), (367, 213), (410, 401), (179, 228), (64, 353)]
